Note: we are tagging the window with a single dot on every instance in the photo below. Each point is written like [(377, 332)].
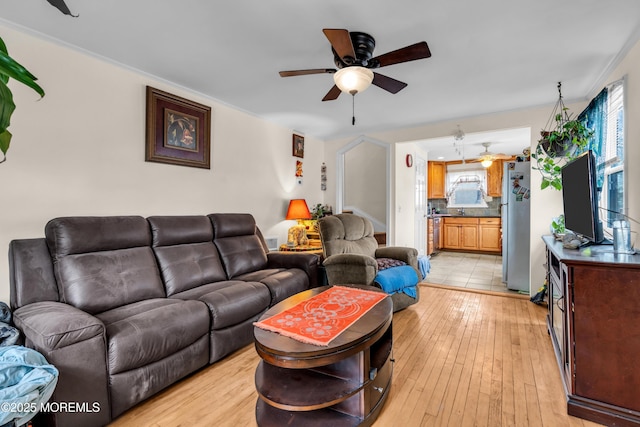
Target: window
[(466, 186), (611, 158), (607, 111)]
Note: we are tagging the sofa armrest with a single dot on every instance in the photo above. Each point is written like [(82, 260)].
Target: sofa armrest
[(406, 254), (52, 325), (354, 269), (305, 262), (75, 343)]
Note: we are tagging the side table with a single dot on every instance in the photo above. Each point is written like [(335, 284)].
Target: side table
[(342, 384), (316, 250)]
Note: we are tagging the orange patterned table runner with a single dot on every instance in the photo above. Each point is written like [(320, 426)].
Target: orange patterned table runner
[(323, 317)]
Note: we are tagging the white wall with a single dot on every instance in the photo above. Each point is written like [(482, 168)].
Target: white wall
[(365, 180), (405, 198), (80, 151)]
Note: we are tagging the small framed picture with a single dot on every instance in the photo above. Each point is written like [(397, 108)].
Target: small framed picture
[(178, 130), (298, 146)]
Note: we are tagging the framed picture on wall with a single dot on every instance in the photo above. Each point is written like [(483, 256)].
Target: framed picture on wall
[(298, 145), (178, 130)]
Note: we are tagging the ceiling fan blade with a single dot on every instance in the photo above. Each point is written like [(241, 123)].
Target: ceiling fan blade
[(307, 72), (341, 42), (333, 93), (409, 53), (387, 83)]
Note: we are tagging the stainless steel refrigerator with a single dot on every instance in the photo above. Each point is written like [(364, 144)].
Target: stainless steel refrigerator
[(516, 201)]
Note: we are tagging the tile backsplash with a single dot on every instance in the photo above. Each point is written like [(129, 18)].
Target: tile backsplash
[(492, 209)]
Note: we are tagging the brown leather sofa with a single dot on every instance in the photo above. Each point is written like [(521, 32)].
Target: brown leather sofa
[(124, 306)]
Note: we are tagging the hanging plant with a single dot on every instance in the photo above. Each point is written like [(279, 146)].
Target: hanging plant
[(560, 145), (9, 68)]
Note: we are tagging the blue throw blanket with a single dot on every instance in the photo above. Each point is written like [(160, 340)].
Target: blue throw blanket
[(8, 334), (424, 265), (398, 279), (26, 380)]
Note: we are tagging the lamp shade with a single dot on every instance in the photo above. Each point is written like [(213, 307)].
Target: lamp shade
[(298, 209), (353, 79), (486, 162)]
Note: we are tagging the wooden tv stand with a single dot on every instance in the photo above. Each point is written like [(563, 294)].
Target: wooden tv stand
[(594, 324)]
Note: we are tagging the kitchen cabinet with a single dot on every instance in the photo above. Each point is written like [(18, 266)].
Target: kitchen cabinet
[(494, 179), (592, 320), (461, 233), (472, 234), (490, 234), (436, 175)]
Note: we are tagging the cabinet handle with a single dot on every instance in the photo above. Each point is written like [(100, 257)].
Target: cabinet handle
[(378, 389)]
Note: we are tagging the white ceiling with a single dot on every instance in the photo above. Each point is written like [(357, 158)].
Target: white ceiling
[(507, 141), (487, 56)]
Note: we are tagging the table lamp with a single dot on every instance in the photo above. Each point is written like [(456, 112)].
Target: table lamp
[(298, 210)]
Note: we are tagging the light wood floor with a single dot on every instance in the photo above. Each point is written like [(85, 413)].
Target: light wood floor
[(462, 359)]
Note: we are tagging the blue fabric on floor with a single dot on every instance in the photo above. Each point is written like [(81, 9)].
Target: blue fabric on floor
[(26, 379), (5, 313), (8, 335), (398, 279), (424, 265)]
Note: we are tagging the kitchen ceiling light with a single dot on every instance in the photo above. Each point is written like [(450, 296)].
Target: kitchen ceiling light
[(486, 163)]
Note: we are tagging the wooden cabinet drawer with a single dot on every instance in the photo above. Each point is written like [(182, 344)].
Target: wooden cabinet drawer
[(490, 221), (460, 221)]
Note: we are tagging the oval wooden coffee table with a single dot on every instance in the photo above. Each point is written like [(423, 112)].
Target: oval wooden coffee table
[(343, 384)]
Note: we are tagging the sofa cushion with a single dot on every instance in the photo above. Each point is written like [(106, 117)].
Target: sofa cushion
[(285, 283), (180, 229), (257, 276), (185, 252), (347, 233), (99, 281), (238, 243), (147, 331), (103, 262), (78, 235), (230, 302)]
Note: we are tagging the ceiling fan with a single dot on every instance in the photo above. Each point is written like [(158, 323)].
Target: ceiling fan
[(353, 55), (487, 157)]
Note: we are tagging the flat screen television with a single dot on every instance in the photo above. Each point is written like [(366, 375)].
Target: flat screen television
[(580, 198)]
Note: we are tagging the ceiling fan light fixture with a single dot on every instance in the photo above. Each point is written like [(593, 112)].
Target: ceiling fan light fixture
[(353, 79), (486, 163)]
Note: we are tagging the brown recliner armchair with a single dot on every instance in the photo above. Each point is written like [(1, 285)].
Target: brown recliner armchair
[(352, 256)]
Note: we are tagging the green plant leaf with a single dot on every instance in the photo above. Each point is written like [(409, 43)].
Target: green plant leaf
[(544, 184), (11, 68), (556, 184), (6, 107), (3, 49), (5, 141)]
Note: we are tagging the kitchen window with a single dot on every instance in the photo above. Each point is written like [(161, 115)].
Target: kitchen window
[(466, 186)]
